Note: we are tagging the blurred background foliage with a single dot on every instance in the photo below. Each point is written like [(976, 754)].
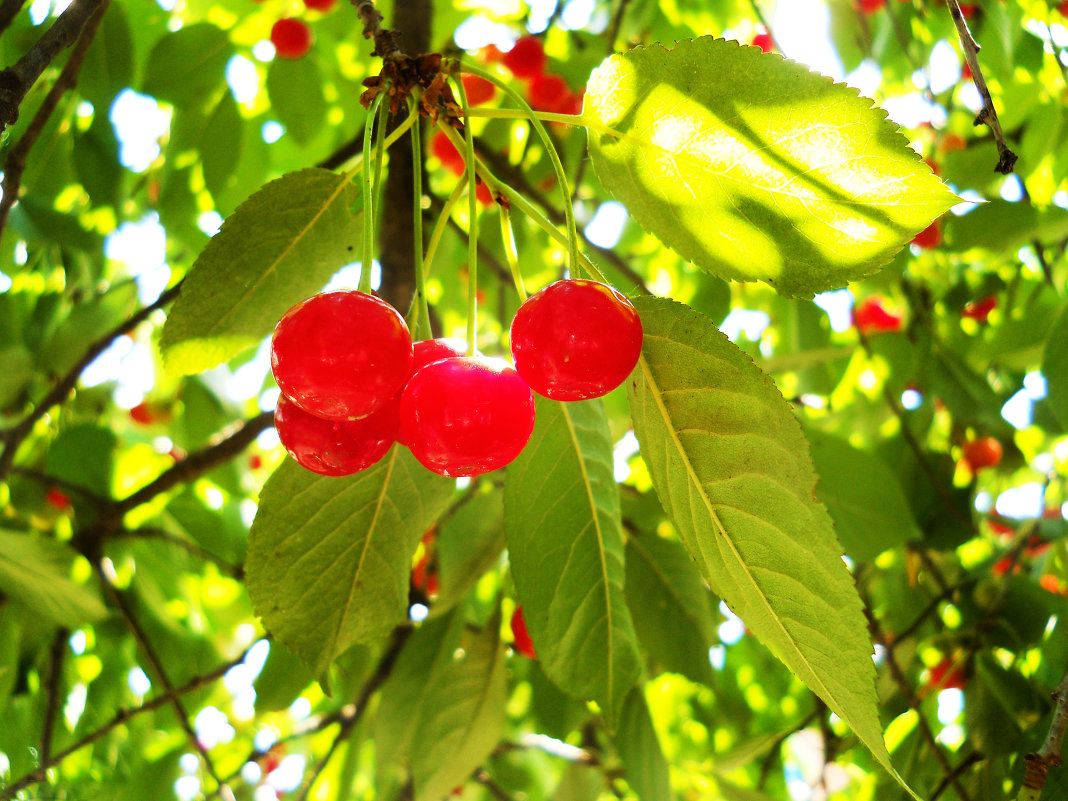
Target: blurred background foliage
[(181, 111)]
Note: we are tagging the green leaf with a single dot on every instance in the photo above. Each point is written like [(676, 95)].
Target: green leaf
[(188, 65), (864, 497), (1055, 368), (468, 544), (295, 87), (442, 709), (565, 545), (755, 168), (673, 611), (329, 558), (84, 455), (279, 247), (36, 572), (639, 749), (732, 470), (109, 63)]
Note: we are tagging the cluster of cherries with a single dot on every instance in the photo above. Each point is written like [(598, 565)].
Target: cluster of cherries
[(353, 382), (291, 36)]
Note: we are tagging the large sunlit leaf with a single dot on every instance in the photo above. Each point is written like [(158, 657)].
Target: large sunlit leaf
[(442, 710), (36, 572), (279, 247), (732, 469), (329, 558), (755, 168), (565, 545)]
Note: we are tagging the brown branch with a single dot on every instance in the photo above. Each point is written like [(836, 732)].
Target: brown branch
[(13, 437), (1049, 755), (157, 667), (47, 480), (55, 688), (39, 773), (17, 80), (987, 115), (385, 667), (15, 163), (385, 40), (973, 758), (9, 9)]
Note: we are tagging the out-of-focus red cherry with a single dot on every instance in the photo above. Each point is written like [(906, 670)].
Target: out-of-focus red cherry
[(763, 40), (947, 675), (523, 643), (930, 237), (871, 317), (982, 452), (478, 90), (979, 310), (526, 58), (57, 499)]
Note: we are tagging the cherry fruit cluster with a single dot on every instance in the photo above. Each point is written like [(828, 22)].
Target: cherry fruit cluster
[(353, 382), (292, 37)]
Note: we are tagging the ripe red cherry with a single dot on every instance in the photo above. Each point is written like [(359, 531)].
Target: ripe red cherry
[(341, 355), (57, 499), (142, 413), (764, 41), (451, 158), (549, 93), (478, 90), (467, 415), (523, 643), (526, 58), (576, 339), (292, 38), (334, 447), (427, 351), (871, 317), (979, 310), (929, 237), (982, 452), (871, 6), (945, 676), (319, 5)]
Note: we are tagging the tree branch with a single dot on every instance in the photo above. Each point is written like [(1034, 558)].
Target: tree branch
[(16, 81), (55, 688), (13, 437), (15, 163), (9, 9), (39, 773), (987, 115), (1049, 755)]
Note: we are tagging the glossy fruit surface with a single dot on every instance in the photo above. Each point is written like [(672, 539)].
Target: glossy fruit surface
[(341, 355), (526, 58), (872, 318), (334, 447), (982, 452), (523, 643), (575, 340), (292, 38), (465, 416), (428, 351)]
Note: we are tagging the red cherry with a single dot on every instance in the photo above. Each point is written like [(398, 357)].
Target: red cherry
[(966, 72), (523, 643), (57, 499), (929, 237), (484, 196), (451, 158), (1000, 529), (872, 318), (1051, 583), (428, 351), (341, 355), (982, 452), (142, 413), (1001, 567), (334, 447), (946, 675), (478, 90), (1063, 8), (979, 310), (951, 142), (319, 5), (419, 572), (255, 461), (292, 38), (490, 54), (526, 58), (549, 93), (967, 9), (871, 6), (467, 415), (576, 339), (764, 41)]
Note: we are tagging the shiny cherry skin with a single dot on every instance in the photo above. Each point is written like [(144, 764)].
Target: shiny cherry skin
[(341, 355), (335, 447), (427, 351), (292, 38), (576, 340), (466, 415)]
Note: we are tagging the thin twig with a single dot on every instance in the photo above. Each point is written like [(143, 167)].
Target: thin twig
[(9, 9), (13, 437), (161, 674), (152, 533), (39, 773), (55, 689), (17, 80), (973, 758), (1049, 755), (617, 22), (15, 163), (987, 115)]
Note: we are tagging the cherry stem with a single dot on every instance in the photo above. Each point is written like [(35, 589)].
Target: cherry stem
[(380, 152), (472, 229), (508, 240), (574, 120), (368, 206), (547, 142), (529, 209), (420, 310), (441, 225)]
